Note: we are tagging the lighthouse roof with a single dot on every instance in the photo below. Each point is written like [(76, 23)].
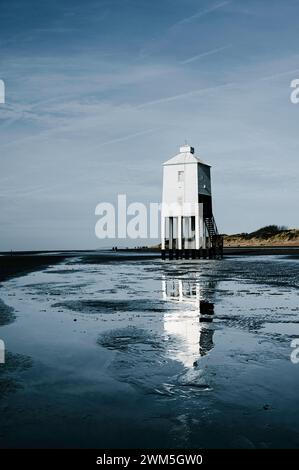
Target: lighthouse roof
[(186, 155)]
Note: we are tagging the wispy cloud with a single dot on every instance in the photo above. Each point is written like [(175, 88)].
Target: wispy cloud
[(175, 27), (185, 95), (128, 137), (279, 74), (205, 54), (201, 13)]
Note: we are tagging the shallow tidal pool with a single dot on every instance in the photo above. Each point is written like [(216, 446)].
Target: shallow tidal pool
[(146, 354)]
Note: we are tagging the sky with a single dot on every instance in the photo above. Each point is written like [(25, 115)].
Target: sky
[(100, 93)]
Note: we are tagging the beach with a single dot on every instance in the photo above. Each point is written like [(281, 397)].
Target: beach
[(123, 350)]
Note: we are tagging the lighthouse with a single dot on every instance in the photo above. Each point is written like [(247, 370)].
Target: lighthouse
[(188, 227)]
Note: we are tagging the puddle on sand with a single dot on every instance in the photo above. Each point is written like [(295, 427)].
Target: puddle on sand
[(152, 354)]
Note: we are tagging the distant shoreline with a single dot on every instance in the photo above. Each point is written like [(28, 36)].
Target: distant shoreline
[(234, 250), (19, 263), (261, 250)]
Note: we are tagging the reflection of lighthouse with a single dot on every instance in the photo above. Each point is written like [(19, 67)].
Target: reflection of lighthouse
[(188, 327)]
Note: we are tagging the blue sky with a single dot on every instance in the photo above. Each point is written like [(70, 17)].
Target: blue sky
[(100, 93)]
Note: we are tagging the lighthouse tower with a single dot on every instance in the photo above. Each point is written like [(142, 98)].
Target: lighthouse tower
[(188, 228)]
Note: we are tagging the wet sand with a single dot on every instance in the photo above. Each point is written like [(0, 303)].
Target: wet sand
[(150, 353), (15, 264), (261, 250)]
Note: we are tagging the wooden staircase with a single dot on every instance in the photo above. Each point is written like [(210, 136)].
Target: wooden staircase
[(215, 240)]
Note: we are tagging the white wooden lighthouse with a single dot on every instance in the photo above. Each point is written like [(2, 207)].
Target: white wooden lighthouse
[(188, 227)]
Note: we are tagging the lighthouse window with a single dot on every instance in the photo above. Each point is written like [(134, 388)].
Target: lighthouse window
[(180, 176)]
